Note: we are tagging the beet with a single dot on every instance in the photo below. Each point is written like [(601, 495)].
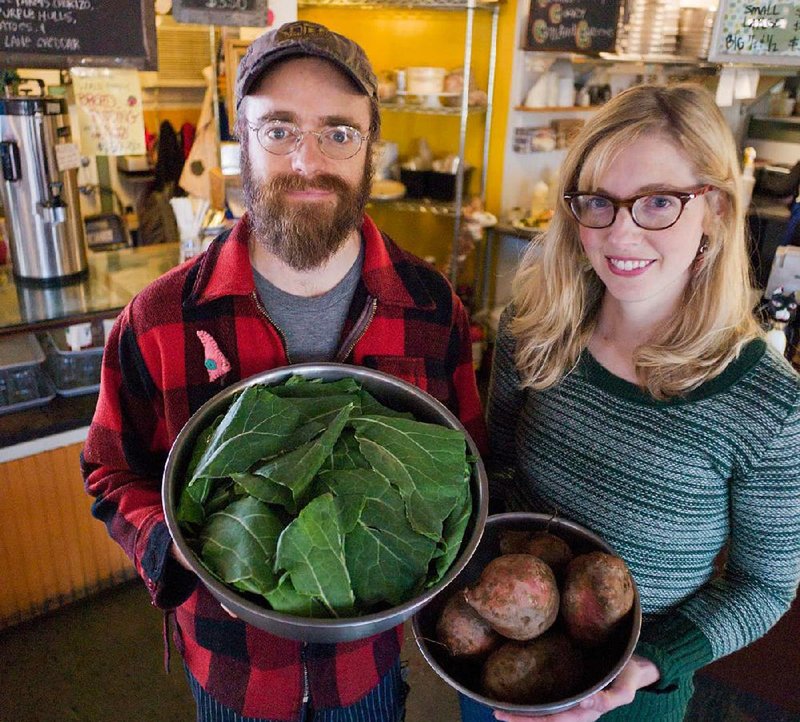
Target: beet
[(514, 542), (546, 669), (551, 549), (462, 631), (596, 595), (517, 595)]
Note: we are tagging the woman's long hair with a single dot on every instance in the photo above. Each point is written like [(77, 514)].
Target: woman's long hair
[(557, 294)]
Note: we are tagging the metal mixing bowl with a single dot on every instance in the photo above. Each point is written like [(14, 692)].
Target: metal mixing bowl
[(464, 676), (391, 392)]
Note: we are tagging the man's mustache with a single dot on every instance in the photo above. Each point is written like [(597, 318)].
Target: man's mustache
[(322, 182)]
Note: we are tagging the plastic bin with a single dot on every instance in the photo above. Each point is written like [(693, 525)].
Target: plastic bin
[(72, 372), (23, 384)]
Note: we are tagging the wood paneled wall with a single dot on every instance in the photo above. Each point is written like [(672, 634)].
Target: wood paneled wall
[(52, 550)]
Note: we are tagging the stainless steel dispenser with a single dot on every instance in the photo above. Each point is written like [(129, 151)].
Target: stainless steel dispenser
[(43, 218)]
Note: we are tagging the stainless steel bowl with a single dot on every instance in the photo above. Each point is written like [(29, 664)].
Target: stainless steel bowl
[(464, 676), (391, 392)]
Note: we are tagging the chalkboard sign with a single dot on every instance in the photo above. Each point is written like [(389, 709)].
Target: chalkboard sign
[(766, 32), (577, 26), (72, 33), (249, 13)]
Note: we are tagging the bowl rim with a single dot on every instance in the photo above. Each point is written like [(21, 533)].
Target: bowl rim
[(314, 629), (548, 707)]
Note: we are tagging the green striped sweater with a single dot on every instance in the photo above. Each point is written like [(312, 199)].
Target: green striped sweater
[(667, 484)]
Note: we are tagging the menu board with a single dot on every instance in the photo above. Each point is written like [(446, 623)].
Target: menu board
[(766, 32), (248, 13), (577, 26), (70, 33)]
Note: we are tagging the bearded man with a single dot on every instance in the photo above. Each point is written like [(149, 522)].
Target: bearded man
[(305, 275)]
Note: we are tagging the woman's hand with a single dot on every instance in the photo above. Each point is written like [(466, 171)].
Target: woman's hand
[(637, 673)]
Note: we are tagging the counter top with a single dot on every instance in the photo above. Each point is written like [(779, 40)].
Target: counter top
[(114, 278)]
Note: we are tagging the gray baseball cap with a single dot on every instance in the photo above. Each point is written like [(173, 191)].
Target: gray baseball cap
[(303, 39)]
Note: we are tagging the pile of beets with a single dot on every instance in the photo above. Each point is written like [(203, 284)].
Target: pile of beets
[(537, 622)]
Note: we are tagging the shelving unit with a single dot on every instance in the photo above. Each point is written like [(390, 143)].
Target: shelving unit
[(463, 111)]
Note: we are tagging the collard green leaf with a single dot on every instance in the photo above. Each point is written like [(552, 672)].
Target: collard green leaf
[(424, 461), (349, 500), (302, 435), (452, 533), (190, 505), (238, 545), (266, 490), (299, 387), (190, 511), (311, 549), (297, 469), (323, 410), (224, 493), (370, 406), (285, 598), (386, 558), (255, 427), (346, 453)]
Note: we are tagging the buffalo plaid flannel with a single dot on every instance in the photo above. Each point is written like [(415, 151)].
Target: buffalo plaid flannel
[(157, 370)]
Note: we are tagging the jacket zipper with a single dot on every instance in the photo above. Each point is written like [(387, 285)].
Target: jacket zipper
[(355, 335), (263, 310), (306, 690), (358, 331)]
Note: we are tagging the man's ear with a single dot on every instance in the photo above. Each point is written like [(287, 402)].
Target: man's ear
[(718, 206)]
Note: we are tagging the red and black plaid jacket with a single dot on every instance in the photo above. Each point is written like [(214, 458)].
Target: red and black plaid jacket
[(404, 319)]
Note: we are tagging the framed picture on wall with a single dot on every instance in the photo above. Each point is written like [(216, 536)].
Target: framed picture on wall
[(235, 48)]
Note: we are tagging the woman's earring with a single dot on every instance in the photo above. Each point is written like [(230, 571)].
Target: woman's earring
[(701, 253)]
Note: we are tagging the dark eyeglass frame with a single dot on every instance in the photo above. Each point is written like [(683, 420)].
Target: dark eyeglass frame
[(298, 136), (683, 196)]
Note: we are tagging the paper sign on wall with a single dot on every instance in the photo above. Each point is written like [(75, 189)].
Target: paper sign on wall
[(110, 113)]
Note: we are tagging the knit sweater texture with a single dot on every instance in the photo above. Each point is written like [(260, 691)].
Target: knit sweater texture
[(673, 486)]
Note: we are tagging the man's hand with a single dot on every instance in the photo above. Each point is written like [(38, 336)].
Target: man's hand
[(177, 555), (637, 673)]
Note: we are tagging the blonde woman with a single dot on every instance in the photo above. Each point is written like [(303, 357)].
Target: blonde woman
[(633, 393)]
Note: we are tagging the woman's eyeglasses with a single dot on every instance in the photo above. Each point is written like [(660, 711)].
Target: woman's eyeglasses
[(654, 211), (338, 142)]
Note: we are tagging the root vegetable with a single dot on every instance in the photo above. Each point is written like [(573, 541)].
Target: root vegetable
[(546, 669), (463, 631), (517, 595), (597, 593), (514, 542), (551, 549)]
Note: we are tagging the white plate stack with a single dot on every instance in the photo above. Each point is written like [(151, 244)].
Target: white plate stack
[(648, 27), (695, 26)]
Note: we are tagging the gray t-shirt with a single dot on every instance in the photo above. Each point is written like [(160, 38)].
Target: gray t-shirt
[(311, 326)]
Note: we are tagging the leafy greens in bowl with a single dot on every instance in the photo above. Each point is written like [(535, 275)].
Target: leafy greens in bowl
[(324, 502)]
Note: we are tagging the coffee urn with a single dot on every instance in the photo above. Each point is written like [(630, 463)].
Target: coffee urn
[(43, 218)]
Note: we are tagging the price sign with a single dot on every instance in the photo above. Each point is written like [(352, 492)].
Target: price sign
[(766, 32), (248, 13)]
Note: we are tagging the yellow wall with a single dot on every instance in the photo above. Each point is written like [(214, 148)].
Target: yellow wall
[(396, 38)]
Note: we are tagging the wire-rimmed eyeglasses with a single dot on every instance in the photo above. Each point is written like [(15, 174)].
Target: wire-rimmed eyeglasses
[(338, 142), (653, 211)]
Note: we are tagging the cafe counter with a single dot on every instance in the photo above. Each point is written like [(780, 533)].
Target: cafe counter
[(52, 550)]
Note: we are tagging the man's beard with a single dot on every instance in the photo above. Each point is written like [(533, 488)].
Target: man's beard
[(302, 235)]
